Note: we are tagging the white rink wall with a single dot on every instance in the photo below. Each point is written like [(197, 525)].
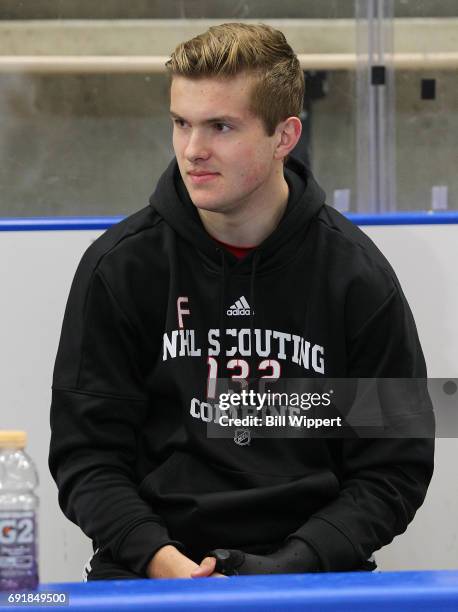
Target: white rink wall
[(37, 267)]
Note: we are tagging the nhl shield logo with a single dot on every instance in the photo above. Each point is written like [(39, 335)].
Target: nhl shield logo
[(242, 437)]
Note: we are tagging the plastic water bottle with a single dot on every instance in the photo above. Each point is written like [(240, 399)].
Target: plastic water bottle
[(18, 514)]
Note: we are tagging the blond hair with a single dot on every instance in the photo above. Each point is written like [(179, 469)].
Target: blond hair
[(232, 48)]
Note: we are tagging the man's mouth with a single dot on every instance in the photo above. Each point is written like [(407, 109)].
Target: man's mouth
[(202, 176)]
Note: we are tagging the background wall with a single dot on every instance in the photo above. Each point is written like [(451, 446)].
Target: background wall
[(196, 9), (37, 269), (96, 144)]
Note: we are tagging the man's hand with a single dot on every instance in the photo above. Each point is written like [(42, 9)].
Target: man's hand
[(206, 568), (169, 562)]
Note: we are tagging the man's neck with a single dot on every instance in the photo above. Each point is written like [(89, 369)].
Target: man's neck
[(249, 225)]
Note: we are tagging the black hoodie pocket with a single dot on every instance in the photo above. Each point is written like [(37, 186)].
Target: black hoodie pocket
[(205, 505)]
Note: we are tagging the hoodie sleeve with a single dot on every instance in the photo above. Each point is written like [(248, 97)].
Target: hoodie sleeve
[(383, 481), (98, 406)]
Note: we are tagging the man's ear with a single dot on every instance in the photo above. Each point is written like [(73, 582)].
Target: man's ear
[(287, 133)]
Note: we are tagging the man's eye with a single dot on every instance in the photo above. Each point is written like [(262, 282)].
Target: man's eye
[(179, 122), (222, 127)]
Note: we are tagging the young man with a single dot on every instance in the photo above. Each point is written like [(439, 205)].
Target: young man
[(236, 270)]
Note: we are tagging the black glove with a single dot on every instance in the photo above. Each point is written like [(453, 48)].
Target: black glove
[(294, 557)]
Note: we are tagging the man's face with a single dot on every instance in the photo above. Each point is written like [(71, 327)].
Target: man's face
[(224, 154)]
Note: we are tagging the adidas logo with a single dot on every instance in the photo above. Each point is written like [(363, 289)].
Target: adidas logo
[(240, 308)]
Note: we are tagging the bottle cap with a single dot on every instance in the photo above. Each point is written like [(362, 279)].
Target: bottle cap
[(12, 439)]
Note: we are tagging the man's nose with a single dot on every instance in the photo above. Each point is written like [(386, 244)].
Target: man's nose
[(197, 146)]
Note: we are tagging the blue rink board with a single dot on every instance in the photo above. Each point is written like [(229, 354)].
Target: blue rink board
[(31, 224), (431, 591)]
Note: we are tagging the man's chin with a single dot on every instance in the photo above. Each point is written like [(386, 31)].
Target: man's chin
[(207, 204)]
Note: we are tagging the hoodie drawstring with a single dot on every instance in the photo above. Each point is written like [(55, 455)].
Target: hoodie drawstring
[(252, 295), (222, 302), (252, 303)]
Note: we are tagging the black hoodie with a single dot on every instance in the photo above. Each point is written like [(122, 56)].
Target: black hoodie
[(155, 307)]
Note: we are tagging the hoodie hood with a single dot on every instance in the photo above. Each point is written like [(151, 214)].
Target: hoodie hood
[(172, 202)]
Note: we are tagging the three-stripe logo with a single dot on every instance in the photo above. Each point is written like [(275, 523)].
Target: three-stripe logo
[(240, 308)]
